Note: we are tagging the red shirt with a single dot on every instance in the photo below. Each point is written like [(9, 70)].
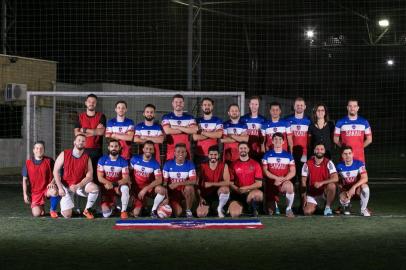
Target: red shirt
[(317, 173), (39, 175), (209, 175), (244, 173), (74, 169), (91, 122)]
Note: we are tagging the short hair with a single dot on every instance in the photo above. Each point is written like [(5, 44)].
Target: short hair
[(214, 148), (299, 99), (232, 105), (148, 142), (254, 97), (112, 140), (180, 145), (178, 96), (241, 143), (345, 147), (121, 102), (275, 103), (319, 143), (91, 96), (39, 142), (352, 99), (314, 116), (80, 134), (208, 99), (149, 105), (277, 134)]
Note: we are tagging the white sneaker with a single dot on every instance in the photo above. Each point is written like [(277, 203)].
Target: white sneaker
[(365, 213), (220, 213)]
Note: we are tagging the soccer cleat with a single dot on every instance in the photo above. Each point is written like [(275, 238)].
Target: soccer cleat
[(189, 214), (277, 211), (346, 210), (365, 213), (53, 214), (328, 212), (220, 212), (289, 213), (124, 215), (88, 214), (154, 214)]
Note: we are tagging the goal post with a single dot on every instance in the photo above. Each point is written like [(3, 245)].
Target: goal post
[(50, 115)]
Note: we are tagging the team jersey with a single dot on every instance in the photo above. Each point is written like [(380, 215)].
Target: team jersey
[(39, 173), (124, 127), (278, 163), (145, 172), (317, 173), (353, 133), (211, 125), (155, 130), (113, 170), (270, 128), (349, 175), (170, 119), (254, 126), (91, 122), (231, 149), (244, 173), (299, 128), (74, 169), (179, 173)]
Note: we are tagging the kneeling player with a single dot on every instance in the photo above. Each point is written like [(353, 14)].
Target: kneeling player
[(148, 180), (112, 172), (354, 179), (38, 170), (214, 180), (246, 180), (279, 167), (319, 178), (180, 176)]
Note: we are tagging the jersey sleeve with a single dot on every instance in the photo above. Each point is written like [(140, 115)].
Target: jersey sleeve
[(165, 171), (331, 168), (103, 120), (24, 171), (368, 131), (137, 130), (258, 171), (291, 160), (165, 120), (124, 167), (219, 125), (192, 121), (130, 126), (157, 169), (77, 123), (109, 127), (305, 170), (337, 130), (362, 169), (288, 128), (264, 160), (192, 171), (100, 167)]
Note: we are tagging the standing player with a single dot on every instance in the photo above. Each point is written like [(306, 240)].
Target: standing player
[(274, 125), (77, 178), (210, 130), (92, 124), (178, 126), (254, 123), (149, 131), (354, 181), (38, 172), (279, 168), (214, 182), (112, 172), (319, 178), (121, 128), (246, 181), (353, 130), (148, 180), (234, 132), (180, 177)]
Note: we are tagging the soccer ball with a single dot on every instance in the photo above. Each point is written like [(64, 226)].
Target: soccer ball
[(164, 211)]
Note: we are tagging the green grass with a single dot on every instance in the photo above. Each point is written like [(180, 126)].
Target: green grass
[(339, 242)]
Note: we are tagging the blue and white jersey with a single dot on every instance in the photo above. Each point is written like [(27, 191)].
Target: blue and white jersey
[(300, 129), (144, 171), (278, 163), (178, 173), (114, 126), (270, 128), (254, 124), (350, 174), (234, 128), (141, 129), (208, 125), (113, 169)]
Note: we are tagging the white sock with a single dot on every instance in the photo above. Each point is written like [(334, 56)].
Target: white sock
[(107, 213), (290, 197), (223, 199), (345, 204), (158, 199), (364, 198), (125, 196), (91, 199)]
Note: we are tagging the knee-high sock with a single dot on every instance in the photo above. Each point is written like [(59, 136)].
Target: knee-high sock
[(364, 198), (91, 199), (54, 202), (223, 199), (125, 197), (290, 197), (158, 199)]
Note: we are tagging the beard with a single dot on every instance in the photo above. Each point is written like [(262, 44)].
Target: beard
[(114, 153), (319, 155), (149, 118), (207, 112), (91, 109), (213, 160), (243, 154)]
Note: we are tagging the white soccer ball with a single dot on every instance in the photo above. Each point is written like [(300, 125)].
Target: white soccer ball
[(164, 211)]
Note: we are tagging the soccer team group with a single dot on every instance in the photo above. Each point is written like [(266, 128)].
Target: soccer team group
[(242, 165)]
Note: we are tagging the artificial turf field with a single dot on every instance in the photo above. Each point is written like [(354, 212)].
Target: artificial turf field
[(354, 242)]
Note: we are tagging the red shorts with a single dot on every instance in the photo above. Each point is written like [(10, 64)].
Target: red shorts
[(272, 191), (176, 196), (38, 198), (108, 197), (140, 203)]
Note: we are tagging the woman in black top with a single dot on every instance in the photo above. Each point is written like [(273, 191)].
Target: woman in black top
[(321, 130)]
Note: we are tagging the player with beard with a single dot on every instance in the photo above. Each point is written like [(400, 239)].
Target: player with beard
[(209, 132), (147, 180), (353, 130), (76, 179), (112, 172), (246, 181), (149, 131), (319, 178), (214, 182), (234, 132)]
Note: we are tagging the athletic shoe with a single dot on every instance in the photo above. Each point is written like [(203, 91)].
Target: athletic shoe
[(220, 212), (53, 214), (254, 209), (88, 214), (189, 214), (365, 213), (124, 215), (154, 214), (328, 212), (289, 213), (346, 210), (277, 211)]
